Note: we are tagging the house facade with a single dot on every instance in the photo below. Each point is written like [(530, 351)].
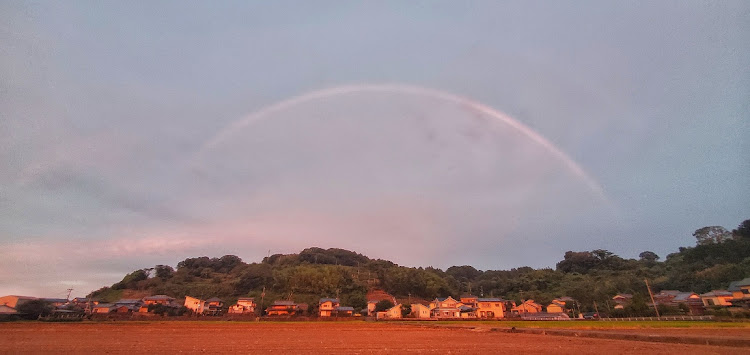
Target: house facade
[(244, 305), (327, 306), (490, 308), (196, 305), (446, 307), (714, 298), (282, 308), (528, 306), (420, 311)]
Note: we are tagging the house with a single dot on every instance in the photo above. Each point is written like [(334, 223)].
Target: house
[(717, 298), (344, 311), (469, 300), (446, 307), (622, 299), (555, 307), (214, 306), (559, 305), (528, 306), (490, 308), (419, 311), (56, 302), (674, 298), (375, 296), (195, 304), (244, 305), (158, 299), (14, 301), (327, 306), (282, 308), (7, 310), (393, 312), (740, 292), (104, 308)]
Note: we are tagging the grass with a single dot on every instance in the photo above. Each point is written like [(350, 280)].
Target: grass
[(593, 324)]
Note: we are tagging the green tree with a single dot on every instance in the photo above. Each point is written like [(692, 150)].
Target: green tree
[(383, 305), (648, 256), (34, 309), (711, 235), (743, 231)]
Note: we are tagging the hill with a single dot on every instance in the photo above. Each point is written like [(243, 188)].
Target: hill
[(718, 257)]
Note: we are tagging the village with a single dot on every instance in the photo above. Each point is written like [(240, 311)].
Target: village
[(380, 306)]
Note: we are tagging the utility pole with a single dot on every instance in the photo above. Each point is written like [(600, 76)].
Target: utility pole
[(69, 291), (597, 310), (652, 298)]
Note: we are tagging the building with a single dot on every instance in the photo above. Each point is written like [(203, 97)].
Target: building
[(244, 305), (195, 304), (282, 308), (674, 298), (528, 306), (446, 307), (393, 312), (717, 298), (375, 296), (419, 311), (740, 292), (490, 308), (214, 306), (327, 306), (14, 301), (622, 299), (103, 308), (158, 299)]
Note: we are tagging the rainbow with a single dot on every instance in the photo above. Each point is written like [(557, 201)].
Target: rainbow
[(409, 90)]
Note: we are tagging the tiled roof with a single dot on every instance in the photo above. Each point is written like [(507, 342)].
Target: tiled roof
[(283, 303), (717, 293), (128, 301), (735, 285), (345, 309), (214, 299), (158, 297), (334, 300), (490, 300)]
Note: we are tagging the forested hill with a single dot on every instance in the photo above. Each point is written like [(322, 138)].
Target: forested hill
[(719, 256)]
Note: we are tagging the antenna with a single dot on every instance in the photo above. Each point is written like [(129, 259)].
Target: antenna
[(69, 291)]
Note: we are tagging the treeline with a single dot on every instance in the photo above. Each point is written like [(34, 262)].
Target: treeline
[(719, 257)]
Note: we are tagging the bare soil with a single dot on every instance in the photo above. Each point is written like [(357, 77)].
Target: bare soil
[(307, 338)]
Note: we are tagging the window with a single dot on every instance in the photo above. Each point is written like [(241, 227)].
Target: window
[(746, 291)]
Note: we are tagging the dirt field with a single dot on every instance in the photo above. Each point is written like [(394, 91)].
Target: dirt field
[(308, 337)]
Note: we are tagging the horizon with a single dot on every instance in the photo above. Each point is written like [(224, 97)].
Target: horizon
[(490, 134)]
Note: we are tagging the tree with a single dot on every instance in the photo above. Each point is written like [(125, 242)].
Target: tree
[(711, 235), (164, 271), (383, 305), (743, 231), (649, 256), (405, 310), (34, 309)]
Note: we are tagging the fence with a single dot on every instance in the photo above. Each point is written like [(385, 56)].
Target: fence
[(660, 318)]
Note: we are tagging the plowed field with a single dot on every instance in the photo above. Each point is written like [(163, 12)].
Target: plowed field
[(306, 338)]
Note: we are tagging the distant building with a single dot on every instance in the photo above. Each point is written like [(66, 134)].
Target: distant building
[(622, 299), (283, 308), (491, 308), (717, 298), (419, 311), (327, 306), (244, 305)]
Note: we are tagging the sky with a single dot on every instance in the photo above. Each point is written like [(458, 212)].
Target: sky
[(431, 133)]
